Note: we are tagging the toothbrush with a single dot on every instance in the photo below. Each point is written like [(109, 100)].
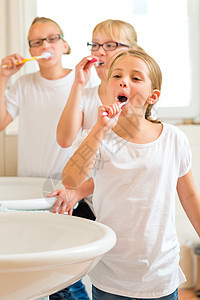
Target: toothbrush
[(45, 55), (91, 59), (105, 113), (97, 63)]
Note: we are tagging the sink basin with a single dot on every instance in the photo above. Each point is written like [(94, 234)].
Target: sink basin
[(28, 193), (41, 252)]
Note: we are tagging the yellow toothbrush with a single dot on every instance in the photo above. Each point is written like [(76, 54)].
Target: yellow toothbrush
[(45, 55)]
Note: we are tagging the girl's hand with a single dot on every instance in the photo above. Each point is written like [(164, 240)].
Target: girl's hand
[(66, 200), (108, 115), (12, 65), (83, 69)]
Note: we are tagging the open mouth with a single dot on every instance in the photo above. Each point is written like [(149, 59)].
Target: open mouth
[(122, 98), (100, 63)]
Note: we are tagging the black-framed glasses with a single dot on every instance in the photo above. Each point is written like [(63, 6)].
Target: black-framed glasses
[(53, 38), (109, 46)]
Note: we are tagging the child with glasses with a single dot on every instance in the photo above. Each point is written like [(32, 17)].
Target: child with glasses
[(139, 164), (52, 38), (39, 99), (109, 37)]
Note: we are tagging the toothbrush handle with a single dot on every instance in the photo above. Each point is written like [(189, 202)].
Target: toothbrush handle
[(105, 113), (26, 59), (23, 61)]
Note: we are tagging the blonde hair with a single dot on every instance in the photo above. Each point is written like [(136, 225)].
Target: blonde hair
[(155, 73), (46, 20), (118, 31)]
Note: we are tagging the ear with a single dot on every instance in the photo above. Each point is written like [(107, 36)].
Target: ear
[(153, 98), (65, 47)]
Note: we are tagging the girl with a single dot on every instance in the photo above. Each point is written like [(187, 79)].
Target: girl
[(139, 165), (39, 99), (109, 37)]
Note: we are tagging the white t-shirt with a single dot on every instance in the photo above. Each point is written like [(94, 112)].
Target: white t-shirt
[(39, 102), (135, 186), (89, 105)]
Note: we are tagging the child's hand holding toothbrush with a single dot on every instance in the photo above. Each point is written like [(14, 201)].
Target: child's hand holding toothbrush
[(108, 116), (83, 70), (12, 63)]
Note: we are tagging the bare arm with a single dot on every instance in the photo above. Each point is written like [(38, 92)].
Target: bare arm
[(68, 198), (5, 74), (190, 199), (82, 162), (72, 118)]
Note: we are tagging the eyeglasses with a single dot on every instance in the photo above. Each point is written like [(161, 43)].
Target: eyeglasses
[(109, 46), (53, 38)]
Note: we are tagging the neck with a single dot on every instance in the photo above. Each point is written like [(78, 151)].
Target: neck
[(54, 73), (137, 129), (131, 127)]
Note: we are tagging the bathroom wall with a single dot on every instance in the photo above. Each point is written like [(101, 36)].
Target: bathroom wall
[(11, 16), (186, 234), (3, 28), (8, 154), (1, 154), (185, 230)]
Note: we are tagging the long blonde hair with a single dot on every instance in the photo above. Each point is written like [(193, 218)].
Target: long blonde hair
[(46, 20), (155, 73)]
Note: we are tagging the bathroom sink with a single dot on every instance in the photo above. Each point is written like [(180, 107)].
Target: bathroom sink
[(28, 193), (42, 252)]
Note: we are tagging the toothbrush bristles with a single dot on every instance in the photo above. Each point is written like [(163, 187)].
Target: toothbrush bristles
[(46, 54)]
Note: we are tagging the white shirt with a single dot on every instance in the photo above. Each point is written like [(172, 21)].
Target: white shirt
[(90, 103), (135, 186), (39, 102)]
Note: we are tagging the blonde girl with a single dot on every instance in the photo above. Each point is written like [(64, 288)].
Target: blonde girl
[(109, 37), (138, 167), (38, 99)]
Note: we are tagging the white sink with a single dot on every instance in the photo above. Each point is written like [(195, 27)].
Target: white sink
[(41, 253), (28, 193)]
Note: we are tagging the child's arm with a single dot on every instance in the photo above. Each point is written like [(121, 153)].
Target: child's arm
[(68, 198), (5, 74), (82, 162), (190, 199), (72, 118)]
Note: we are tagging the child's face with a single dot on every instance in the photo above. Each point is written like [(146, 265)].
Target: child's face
[(41, 31), (103, 55), (130, 79)]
